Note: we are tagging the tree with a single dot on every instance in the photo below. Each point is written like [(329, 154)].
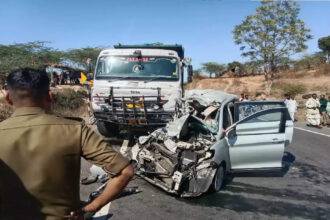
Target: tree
[(213, 68), (235, 67), (272, 34), (38, 55), (310, 61), (324, 45), (197, 72), (80, 55), (33, 54)]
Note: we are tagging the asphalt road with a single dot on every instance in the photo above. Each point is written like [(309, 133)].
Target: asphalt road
[(302, 193)]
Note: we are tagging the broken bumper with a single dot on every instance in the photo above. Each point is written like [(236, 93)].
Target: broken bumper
[(196, 186), (178, 158)]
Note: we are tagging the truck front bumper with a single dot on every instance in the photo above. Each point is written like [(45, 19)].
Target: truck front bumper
[(135, 117)]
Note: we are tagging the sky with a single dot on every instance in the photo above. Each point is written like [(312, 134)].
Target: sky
[(203, 27)]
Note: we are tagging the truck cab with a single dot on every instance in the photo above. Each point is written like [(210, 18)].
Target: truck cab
[(137, 86)]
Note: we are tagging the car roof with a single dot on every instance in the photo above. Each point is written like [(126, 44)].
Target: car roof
[(210, 95)]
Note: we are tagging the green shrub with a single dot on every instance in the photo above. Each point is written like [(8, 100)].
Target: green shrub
[(68, 99), (289, 88), (5, 110), (310, 62), (67, 102)]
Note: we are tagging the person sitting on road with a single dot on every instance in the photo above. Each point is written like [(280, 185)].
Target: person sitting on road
[(312, 113), (40, 156)]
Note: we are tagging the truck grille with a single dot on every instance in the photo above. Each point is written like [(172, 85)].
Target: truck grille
[(135, 110)]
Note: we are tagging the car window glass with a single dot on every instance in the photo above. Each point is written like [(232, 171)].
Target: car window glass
[(270, 117), (227, 117), (247, 109), (232, 112), (213, 121)]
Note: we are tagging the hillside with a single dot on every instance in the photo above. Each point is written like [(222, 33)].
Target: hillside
[(299, 83)]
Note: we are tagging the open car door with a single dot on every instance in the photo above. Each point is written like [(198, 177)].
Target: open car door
[(247, 108), (257, 140)]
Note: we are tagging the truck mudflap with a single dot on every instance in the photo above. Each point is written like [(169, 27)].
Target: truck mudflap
[(135, 110)]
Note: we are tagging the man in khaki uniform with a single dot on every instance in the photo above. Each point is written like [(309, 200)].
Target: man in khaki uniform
[(40, 156)]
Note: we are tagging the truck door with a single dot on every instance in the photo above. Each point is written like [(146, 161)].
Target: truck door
[(257, 140)]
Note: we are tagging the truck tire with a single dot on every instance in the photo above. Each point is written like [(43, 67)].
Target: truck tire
[(218, 179), (107, 129)]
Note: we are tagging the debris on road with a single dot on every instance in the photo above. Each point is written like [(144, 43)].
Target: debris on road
[(126, 192), (177, 157), (96, 174)]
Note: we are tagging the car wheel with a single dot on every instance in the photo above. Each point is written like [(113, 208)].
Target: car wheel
[(107, 129), (218, 180)]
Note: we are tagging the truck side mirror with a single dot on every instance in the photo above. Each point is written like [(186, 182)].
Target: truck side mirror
[(190, 73)]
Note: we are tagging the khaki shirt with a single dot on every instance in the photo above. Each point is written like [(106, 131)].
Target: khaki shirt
[(40, 163)]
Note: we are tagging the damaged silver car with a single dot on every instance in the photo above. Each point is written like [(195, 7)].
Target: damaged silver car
[(213, 136)]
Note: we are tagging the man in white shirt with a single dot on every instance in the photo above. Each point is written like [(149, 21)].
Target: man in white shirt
[(291, 104), (313, 116)]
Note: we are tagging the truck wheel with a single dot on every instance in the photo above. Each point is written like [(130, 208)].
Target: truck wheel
[(107, 129), (218, 179)]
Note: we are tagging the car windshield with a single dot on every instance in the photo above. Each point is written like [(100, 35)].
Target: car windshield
[(137, 67)]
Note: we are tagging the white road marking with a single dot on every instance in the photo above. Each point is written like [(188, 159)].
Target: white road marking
[(103, 212), (314, 132)]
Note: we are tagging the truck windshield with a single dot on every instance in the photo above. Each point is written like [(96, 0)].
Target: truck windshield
[(163, 68)]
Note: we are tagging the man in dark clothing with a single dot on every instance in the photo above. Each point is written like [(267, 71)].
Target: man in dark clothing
[(323, 110)]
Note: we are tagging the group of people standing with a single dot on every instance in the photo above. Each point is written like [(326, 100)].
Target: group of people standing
[(318, 111)]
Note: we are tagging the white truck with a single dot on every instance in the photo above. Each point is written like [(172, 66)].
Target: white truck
[(137, 86)]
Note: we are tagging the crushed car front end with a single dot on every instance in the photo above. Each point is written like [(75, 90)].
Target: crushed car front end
[(179, 158), (179, 162)]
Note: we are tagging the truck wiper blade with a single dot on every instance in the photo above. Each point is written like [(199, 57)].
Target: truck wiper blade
[(153, 78), (118, 78)]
